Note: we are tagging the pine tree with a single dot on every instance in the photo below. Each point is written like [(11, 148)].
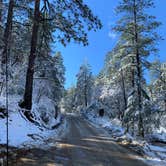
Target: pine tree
[(71, 26), (48, 86), (1, 7), (119, 75), (84, 85), (1, 20), (138, 37), (49, 78), (60, 75), (18, 45), (158, 84), (27, 103), (69, 100), (7, 32)]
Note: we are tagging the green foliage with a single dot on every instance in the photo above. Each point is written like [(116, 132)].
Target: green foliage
[(84, 85), (71, 19)]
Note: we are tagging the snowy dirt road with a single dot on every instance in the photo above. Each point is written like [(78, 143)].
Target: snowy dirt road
[(82, 145)]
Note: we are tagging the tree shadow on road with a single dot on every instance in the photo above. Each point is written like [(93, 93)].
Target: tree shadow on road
[(85, 151)]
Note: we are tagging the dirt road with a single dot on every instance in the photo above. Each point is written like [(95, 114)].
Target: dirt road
[(82, 145)]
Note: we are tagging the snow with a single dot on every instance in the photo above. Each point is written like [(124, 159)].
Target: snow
[(45, 110), (154, 162), (20, 131), (151, 154), (23, 132), (158, 136), (113, 125), (157, 148)]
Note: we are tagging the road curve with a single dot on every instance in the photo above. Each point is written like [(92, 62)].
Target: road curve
[(82, 145)]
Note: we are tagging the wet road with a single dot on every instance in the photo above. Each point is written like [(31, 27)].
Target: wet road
[(82, 145)]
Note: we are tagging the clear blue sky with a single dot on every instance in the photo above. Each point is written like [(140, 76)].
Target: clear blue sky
[(104, 40)]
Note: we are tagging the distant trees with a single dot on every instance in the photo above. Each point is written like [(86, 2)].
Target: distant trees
[(84, 85), (81, 95), (69, 100)]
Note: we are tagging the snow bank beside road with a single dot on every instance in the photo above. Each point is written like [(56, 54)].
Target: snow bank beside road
[(21, 131), (153, 154)]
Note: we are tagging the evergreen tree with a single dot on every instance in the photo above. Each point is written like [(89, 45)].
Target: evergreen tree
[(69, 100), (60, 74), (15, 33), (158, 84), (27, 103), (71, 26), (1, 21), (138, 38), (7, 32), (118, 76), (49, 77), (84, 85), (1, 7)]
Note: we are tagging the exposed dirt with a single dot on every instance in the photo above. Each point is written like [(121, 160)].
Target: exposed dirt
[(82, 145)]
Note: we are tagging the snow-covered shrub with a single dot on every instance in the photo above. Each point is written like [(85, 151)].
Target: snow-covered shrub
[(95, 107), (46, 112)]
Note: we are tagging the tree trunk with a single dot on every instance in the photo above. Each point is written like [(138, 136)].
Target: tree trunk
[(85, 95), (124, 94), (123, 89), (1, 6), (133, 74), (138, 66), (7, 31), (165, 104), (27, 102)]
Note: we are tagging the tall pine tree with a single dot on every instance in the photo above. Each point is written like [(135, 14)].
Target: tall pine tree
[(138, 38), (72, 25), (84, 85)]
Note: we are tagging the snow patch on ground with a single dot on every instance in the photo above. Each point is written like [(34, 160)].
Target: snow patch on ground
[(158, 137), (23, 133)]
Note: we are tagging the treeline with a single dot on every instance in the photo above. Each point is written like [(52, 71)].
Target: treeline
[(30, 30), (122, 83)]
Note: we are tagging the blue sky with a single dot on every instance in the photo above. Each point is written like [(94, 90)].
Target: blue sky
[(104, 40)]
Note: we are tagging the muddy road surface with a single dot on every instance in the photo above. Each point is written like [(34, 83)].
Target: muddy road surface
[(82, 145)]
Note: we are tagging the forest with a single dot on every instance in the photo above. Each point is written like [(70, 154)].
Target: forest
[(115, 117)]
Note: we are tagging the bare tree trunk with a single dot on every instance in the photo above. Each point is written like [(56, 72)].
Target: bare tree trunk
[(85, 95), (165, 104), (85, 92), (133, 75), (7, 31), (27, 102), (1, 6), (123, 89), (124, 95), (138, 66)]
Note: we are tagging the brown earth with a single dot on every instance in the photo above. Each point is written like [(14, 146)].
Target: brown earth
[(82, 145)]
